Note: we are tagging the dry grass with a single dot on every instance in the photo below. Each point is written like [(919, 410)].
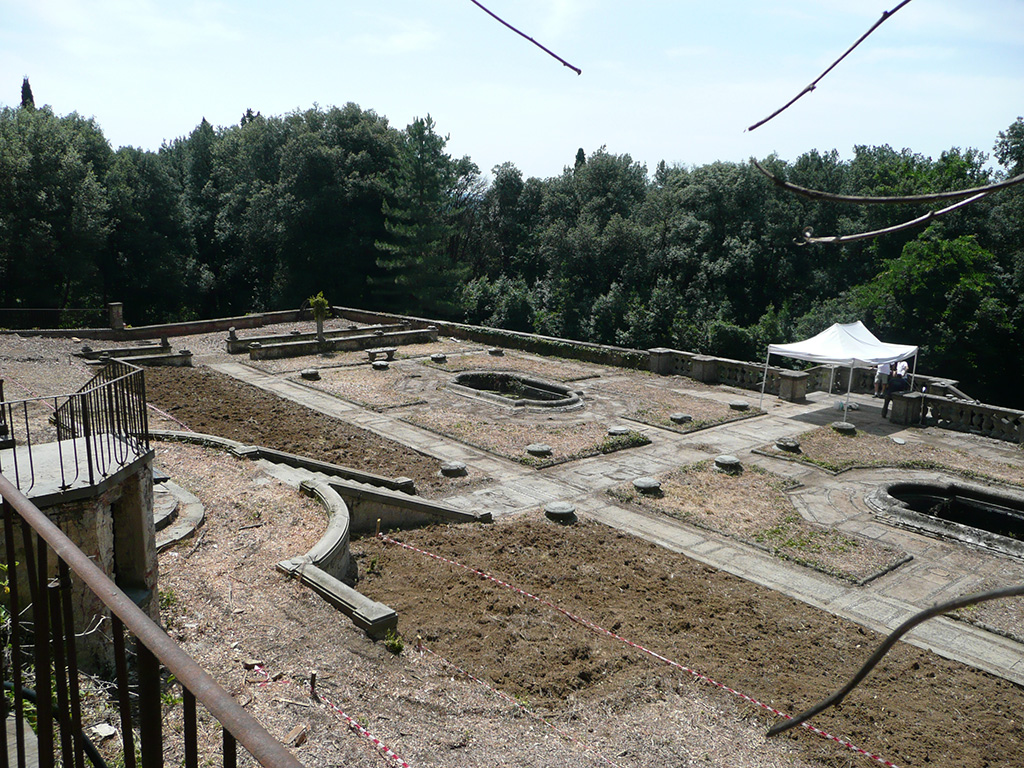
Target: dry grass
[(508, 436), (753, 507), (826, 448), (377, 390), (654, 404), (551, 369)]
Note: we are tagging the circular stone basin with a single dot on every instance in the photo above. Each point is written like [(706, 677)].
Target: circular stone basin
[(310, 374), (618, 431), (728, 463), (680, 418), (438, 357), (380, 365), (496, 352), (844, 427), (647, 485), (790, 444), (739, 405), (453, 469), (987, 517), (514, 389), (560, 512), (538, 449)]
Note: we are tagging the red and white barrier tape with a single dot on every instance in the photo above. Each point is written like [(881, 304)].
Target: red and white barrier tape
[(355, 726), (567, 736), (601, 630)]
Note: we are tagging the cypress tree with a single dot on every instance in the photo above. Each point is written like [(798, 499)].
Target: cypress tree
[(27, 102)]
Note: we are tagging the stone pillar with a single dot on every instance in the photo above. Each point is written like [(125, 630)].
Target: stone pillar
[(135, 539), (905, 408), (705, 369), (793, 386), (116, 310), (662, 360)]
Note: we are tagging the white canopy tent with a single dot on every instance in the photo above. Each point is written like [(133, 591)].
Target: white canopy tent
[(850, 345)]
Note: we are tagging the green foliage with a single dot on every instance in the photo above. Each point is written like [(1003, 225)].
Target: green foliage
[(393, 642), (258, 215)]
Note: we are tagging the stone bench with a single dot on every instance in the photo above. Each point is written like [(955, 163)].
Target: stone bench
[(389, 353)]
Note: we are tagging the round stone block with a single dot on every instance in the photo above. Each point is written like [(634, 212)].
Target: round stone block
[(438, 357), (453, 469), (560, 512), (380, 365), (790, 444), (647, 485), (312, 374), (618, 431), (680, 418), (538, 449), (496, 352), (728, 463), (739, 405), (844, 427), (899, 440)]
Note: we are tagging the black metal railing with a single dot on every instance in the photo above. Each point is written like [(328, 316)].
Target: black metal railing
[(99, 429), (39, 654)]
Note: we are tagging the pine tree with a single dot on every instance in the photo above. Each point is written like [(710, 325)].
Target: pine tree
[(422, 215)]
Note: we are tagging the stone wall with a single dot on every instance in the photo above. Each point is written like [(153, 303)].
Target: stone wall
[(114, 528)]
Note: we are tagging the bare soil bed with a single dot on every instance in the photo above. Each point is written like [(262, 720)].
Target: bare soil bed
[(915, 709)]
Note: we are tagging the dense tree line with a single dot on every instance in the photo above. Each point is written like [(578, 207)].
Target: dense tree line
[(266, 213)]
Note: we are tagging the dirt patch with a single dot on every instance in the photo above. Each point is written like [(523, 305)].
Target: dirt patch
[(753, 507), (203, 400), (917, 710)]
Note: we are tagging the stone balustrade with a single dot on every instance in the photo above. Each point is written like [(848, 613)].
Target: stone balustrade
[(969, 416)]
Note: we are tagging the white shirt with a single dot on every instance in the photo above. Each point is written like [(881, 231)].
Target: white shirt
[(902, 367)]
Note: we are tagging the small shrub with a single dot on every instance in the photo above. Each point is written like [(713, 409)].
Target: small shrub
[(393, 642)]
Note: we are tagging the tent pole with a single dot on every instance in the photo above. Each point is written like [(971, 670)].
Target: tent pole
[(764, 379), (849, 385), (913, 373)]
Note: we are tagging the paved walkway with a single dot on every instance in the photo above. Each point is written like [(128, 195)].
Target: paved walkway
[(938, 572)]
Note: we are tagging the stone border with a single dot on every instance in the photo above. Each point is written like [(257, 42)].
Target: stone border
[(349, 505), (569, 400)]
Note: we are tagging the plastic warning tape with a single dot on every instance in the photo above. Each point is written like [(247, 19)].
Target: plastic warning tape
[(654, 654), (567, 736), (355, 726)]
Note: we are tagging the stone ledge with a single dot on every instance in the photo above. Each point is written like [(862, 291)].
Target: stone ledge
[(370, 616)]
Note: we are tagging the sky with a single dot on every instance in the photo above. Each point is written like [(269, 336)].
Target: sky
[(677, 80)]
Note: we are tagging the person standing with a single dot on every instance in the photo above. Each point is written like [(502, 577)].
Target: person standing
[(882, 377)]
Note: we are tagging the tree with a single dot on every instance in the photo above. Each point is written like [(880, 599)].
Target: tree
[(53, 213), (948, 296), (148, 254), (27, 100), (431, 193)]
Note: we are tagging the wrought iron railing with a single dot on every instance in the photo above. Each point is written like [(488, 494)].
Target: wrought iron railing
[(39, 654), (99, 429)]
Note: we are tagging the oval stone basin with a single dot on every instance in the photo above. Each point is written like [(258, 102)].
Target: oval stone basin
[(515, 390), (987, 517)]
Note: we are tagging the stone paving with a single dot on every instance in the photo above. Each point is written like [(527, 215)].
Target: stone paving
[(939, 570)]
